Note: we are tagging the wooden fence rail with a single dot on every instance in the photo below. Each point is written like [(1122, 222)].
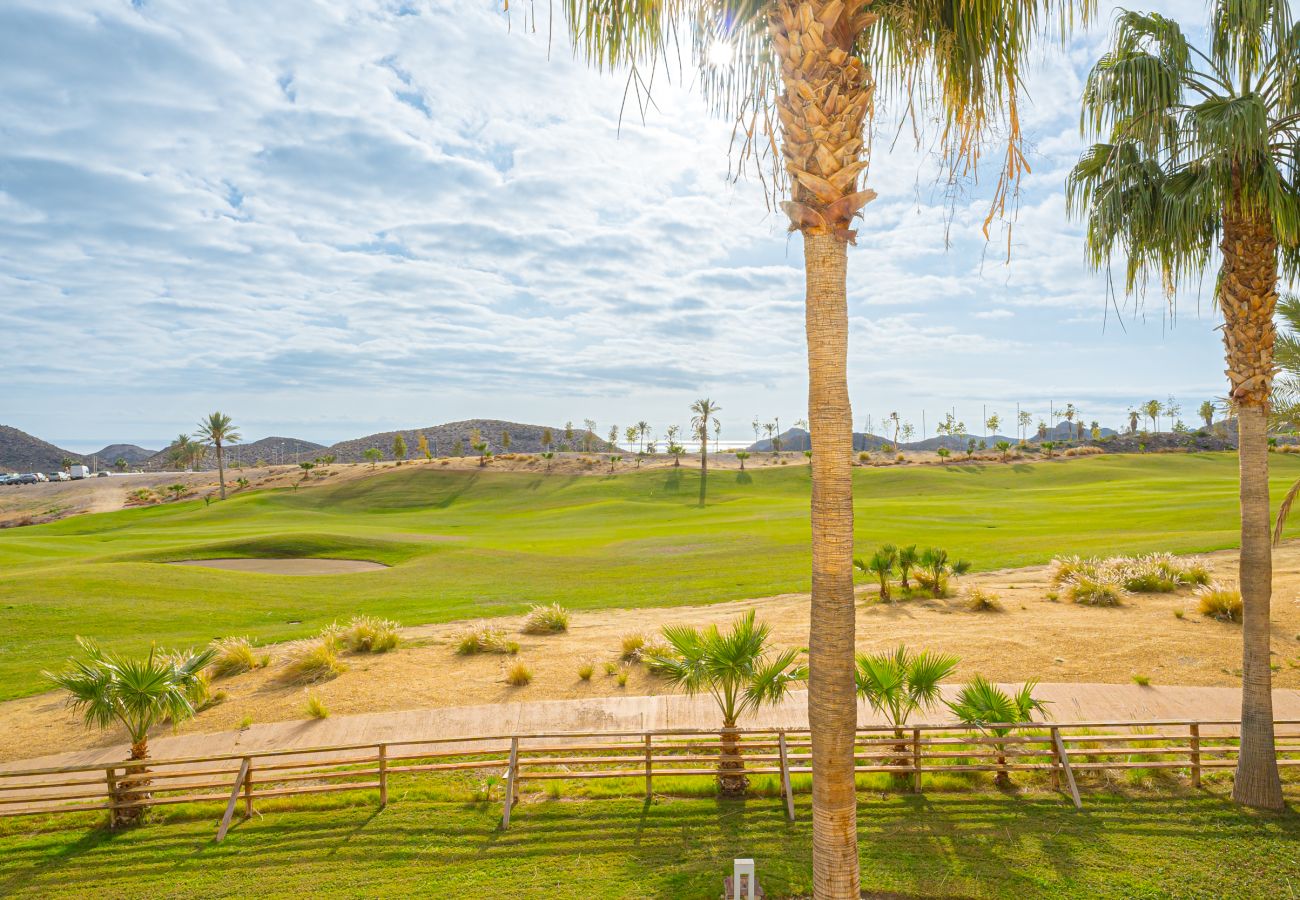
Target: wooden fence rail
[(1058, 749)]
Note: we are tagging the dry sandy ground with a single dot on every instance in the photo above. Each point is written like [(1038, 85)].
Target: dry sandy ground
[(1033, 637)]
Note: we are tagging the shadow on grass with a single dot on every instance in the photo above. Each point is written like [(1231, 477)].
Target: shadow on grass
[(983, 844)]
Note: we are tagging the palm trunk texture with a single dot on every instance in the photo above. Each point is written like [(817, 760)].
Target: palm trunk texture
[(826, 92), (221, 472), (1248, 297)]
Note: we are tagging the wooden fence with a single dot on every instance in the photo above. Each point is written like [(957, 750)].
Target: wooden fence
[(1063, 751)]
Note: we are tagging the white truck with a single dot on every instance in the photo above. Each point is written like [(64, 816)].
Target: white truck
[(79, 471)]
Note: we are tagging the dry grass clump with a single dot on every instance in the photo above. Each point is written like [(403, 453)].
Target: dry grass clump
[(1092, 591), (316, 708), (632, 644), (234, 657), (980, 600), (313, 660), (519, 675), (484, 638), (551, 619), (367, 634), (1152, 573), (1220, 602), (585, 671)]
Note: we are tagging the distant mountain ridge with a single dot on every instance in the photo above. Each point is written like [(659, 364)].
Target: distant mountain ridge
[(133, 454), (268, 450), (21, 452), (442, 439), (798, 440)]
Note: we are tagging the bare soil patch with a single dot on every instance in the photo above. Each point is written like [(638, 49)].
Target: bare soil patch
[(286, 566), (1032, 637)]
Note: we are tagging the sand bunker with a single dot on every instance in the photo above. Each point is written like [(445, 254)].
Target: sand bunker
[(287, 566)]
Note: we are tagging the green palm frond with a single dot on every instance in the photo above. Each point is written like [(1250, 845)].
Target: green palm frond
[(900, 683)]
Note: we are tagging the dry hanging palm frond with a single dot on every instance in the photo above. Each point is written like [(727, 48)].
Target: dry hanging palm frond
[(1284, 511)]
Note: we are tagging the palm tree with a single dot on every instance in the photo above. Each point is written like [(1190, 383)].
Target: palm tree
[(981, 703), (642, 429), (181, 451), (908, 559), (806, 73), (1152, 410), (1196, 153), (120, 463), (548, 456), (1003, 447), (900, 683), (881, 566), (1132, 421), (738, 669), (137, 693), (1206, 412), (703, 414), (742, 455), (935, 570), (216, 431)]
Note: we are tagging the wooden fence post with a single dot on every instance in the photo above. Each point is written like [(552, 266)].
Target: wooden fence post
[(511, 769), (248, 788), (234, 799), (110, 775), (383, 775), (649, 769), (1065, 764), (785, 777), (916, 760), (1196, 754)]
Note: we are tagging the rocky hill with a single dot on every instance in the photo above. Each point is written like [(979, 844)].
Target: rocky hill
[(443, 439), (134, 455), (20, 452), (270, 451)]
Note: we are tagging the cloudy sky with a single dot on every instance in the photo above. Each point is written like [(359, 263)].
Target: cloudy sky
[(333, 218)]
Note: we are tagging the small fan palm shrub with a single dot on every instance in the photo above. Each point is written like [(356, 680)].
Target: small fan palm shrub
[(900, 683), (880, 565), (908, 559), (551, 619), (983, 705), (935, 570), (136, 693), (738, 669)]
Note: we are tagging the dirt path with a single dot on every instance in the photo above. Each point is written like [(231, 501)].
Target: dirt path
[(1032, 637), (1066, 703)]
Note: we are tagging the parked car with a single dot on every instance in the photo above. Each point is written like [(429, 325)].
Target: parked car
[(7, 478), (28, 478), (41, 476), (104, 474), (58, 476)]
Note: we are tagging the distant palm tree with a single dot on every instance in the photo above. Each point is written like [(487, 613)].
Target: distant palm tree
[(1132, 421), (137, 693), (548, 456), (643, 429), (216, 431), (120, 463), (703, 415), (1206, 412), (742, 456), (181, 452), (981, 703), (898, 684), (1003, 447), (1196, 162), (1152, 410), (738, 669)]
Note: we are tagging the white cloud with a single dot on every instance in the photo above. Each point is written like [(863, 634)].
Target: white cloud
[(397, 213)]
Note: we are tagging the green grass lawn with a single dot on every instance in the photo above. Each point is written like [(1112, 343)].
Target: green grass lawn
[(979, 844), (465, 544)]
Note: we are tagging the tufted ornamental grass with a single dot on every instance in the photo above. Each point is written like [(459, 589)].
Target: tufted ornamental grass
[(551, 619), (1151, 573), (316, 708), (312, 661), (1093, 591), (980, 600), (632, 644), (368, 634), (484, 638), (1219, 601), (234, 656), (519, 675)]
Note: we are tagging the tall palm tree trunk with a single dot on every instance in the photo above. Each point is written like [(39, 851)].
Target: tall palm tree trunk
[(704, 463), (1248, 296), (825, 93), (221, 470), (832, 697)]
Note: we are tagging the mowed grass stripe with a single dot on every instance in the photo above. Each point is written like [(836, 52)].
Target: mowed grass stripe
[(467, 544)]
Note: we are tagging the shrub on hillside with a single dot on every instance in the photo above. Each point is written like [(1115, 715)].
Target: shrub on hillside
[(484, 638), (234, 655), (367, 634), (311, 661), (551, 619), (1219, 602)]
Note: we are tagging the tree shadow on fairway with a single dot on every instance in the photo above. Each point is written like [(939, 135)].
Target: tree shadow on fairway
[(744, 478)]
